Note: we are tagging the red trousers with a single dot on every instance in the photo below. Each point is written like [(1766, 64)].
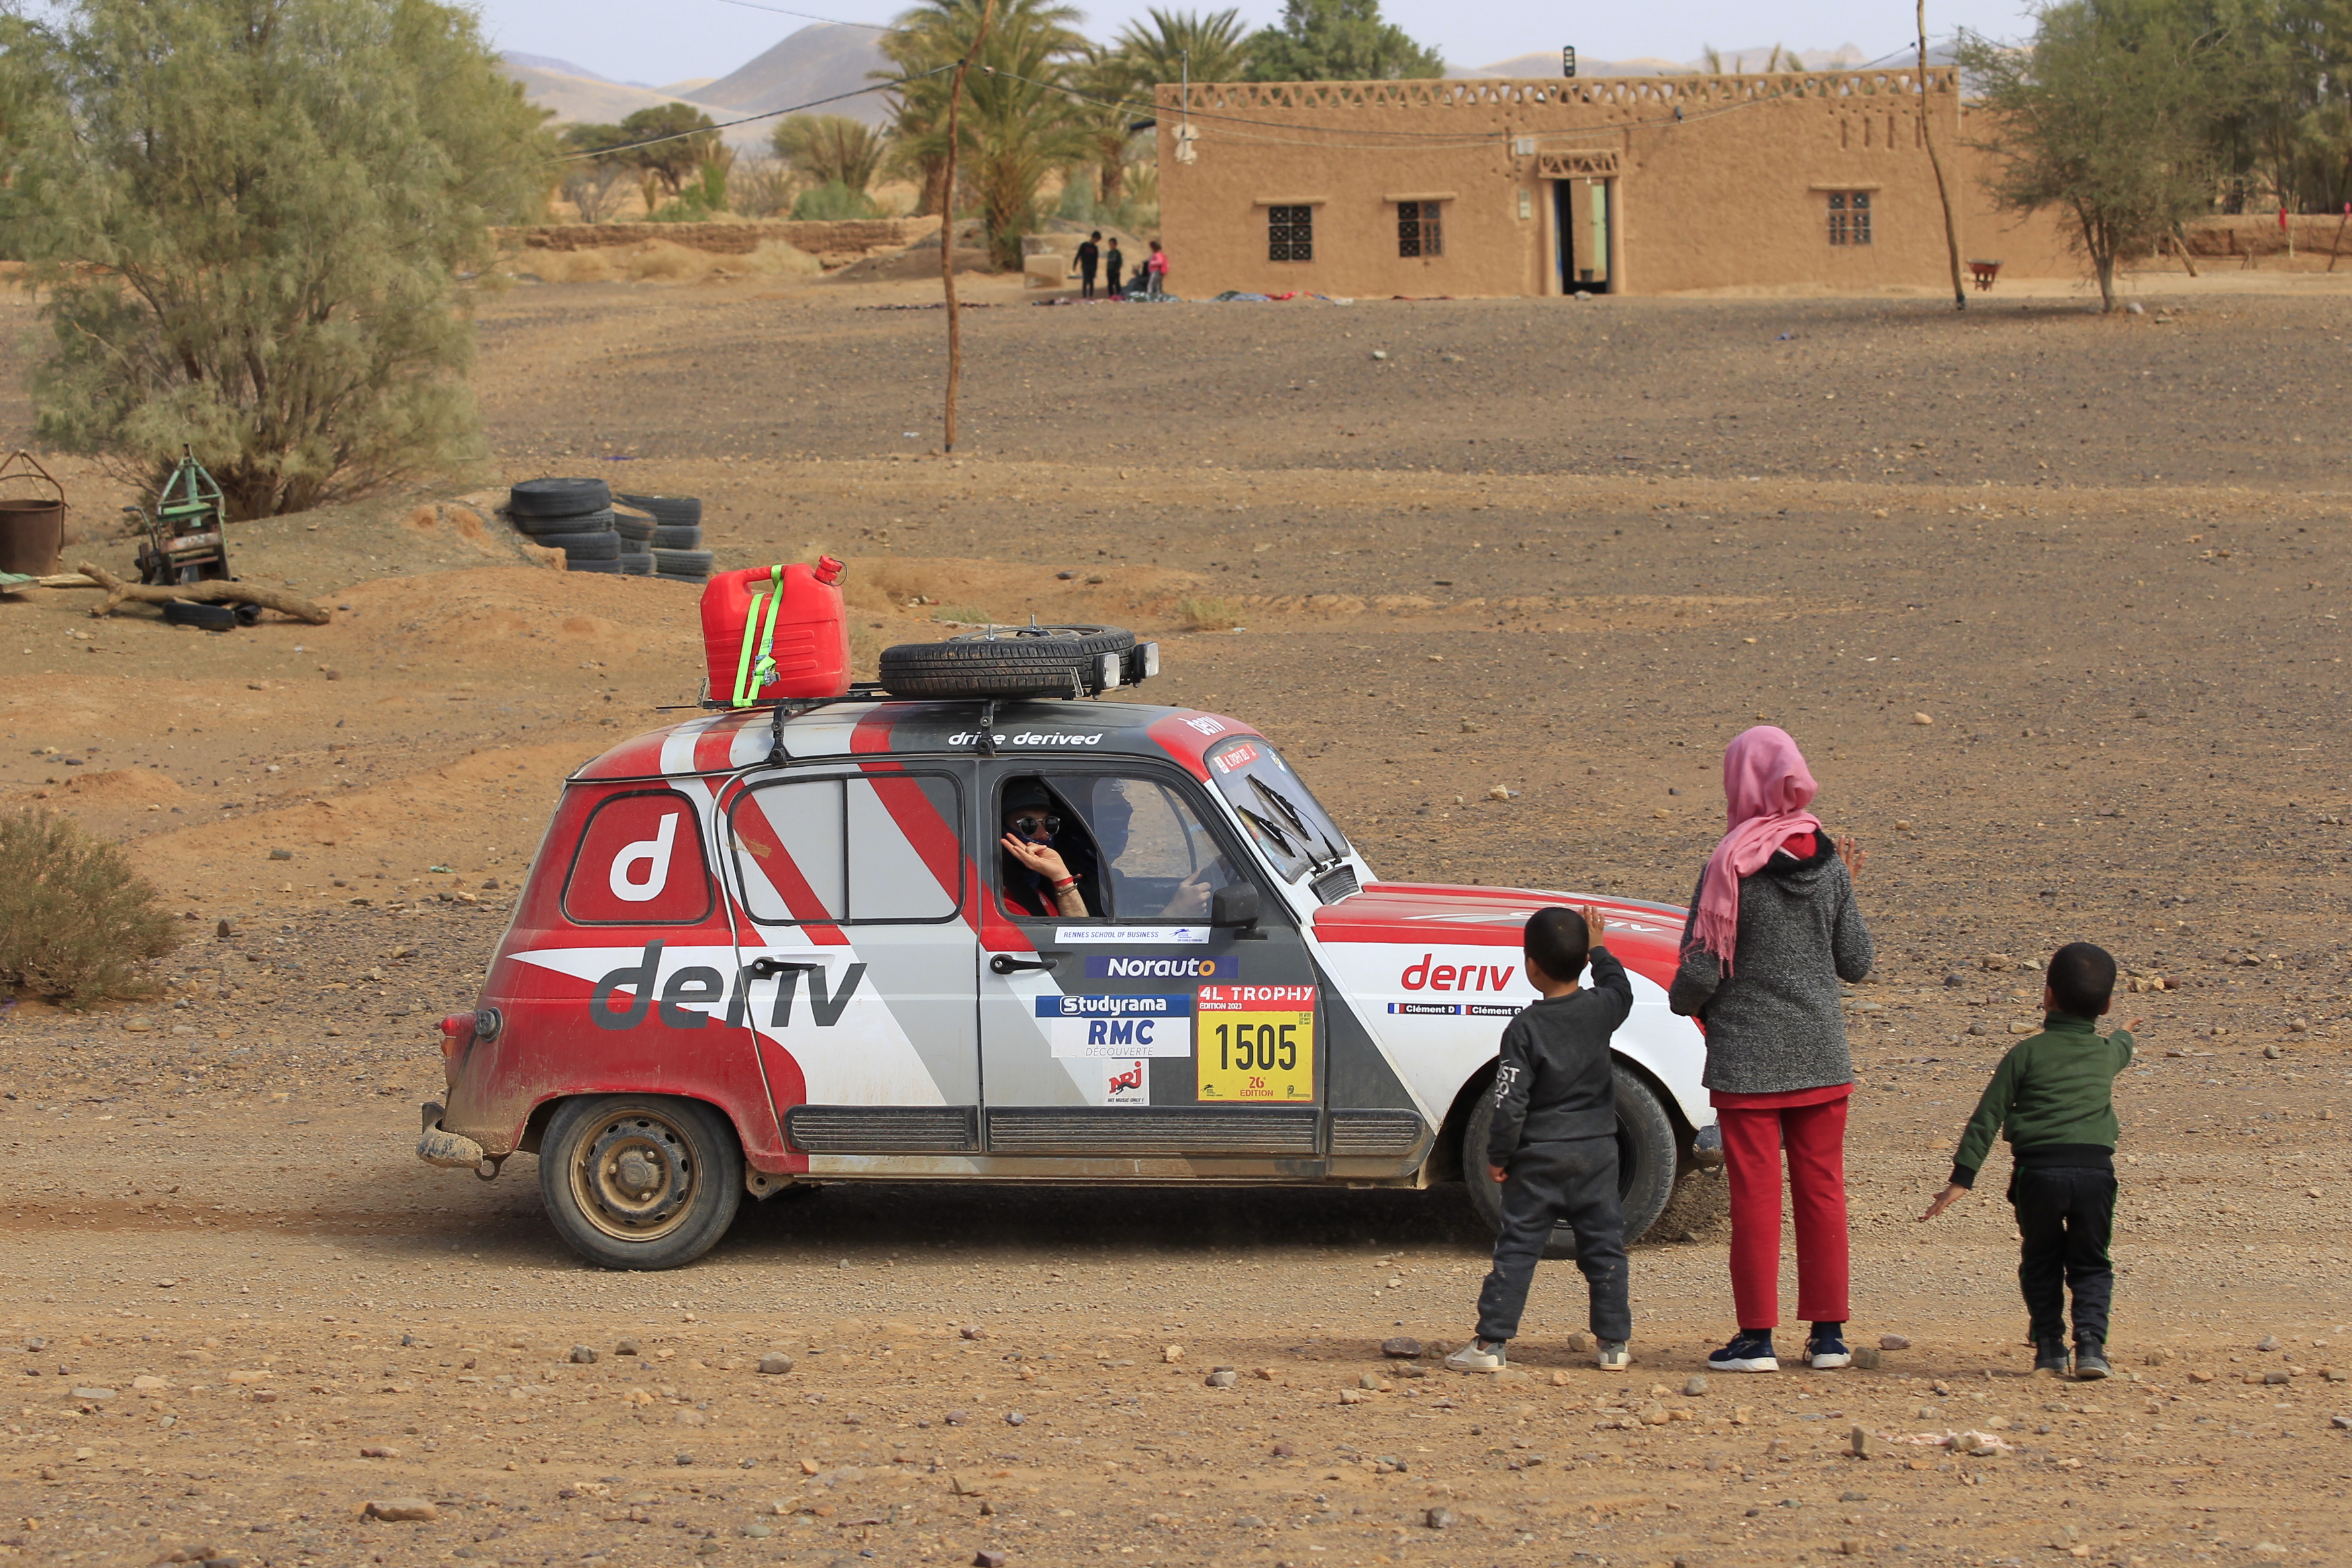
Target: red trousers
[(1814, 1136)]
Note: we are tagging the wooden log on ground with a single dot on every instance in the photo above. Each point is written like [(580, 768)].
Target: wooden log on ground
[(116, 590)]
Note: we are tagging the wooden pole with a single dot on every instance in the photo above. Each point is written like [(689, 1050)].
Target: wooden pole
[(1934, 160), (947, 223)]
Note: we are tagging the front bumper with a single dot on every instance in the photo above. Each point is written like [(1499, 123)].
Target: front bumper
[(450, 1150)]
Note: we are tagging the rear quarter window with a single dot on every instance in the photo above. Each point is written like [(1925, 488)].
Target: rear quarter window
[(639, 861)]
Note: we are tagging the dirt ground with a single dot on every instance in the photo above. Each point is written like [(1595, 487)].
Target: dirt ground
[(2050, 600)]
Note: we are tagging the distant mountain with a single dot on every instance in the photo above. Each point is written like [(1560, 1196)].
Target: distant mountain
[(820, 60), (591, 99), (550, 63)]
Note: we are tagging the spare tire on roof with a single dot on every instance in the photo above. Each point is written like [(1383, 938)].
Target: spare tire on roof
[(673, 511), (558, 498), (1005, 661)]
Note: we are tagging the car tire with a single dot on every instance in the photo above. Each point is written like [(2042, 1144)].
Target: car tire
[(605, 521), (688, 536), (682, 562), (1005, 661), (584, 546), (210, 617), (637, 564), (641, 1181), (558, 498), (1646, 1161), (674, 512), (634, 527)]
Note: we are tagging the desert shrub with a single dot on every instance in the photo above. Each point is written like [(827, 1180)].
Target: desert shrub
[(759, 187), (77, 923), (1207, 614), (250, 222), (833, 202)]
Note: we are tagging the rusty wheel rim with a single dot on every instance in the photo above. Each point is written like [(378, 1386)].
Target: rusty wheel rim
[(636, 1178)]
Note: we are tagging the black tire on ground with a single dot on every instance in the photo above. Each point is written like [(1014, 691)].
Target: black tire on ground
[(188, 613), (635, 527), (640, 1181), (1646, 1158), (636, 564), (605, 546), (604, 522), (248, 615), (682, 562), (685, 537), (1023, 662), (558, 498), (610, 568), (674, 512)]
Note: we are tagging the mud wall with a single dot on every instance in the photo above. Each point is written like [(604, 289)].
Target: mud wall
[(1719, 182), (848, 235)]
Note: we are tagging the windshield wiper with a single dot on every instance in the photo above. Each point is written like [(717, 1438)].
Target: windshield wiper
[(1316, 864)]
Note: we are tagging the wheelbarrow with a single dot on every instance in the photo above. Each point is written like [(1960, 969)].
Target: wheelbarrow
[(32, 529), (1984, 272)]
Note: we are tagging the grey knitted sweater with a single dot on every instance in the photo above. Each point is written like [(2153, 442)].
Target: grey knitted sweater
[(1775, 1024)]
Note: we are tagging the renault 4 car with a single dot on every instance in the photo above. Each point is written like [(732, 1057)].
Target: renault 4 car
[(793, 946)]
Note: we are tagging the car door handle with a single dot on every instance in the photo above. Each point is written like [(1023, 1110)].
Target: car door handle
[(1006, 964), (768, 968)]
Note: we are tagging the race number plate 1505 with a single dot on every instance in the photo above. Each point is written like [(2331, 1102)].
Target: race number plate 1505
[(1255, 1043)]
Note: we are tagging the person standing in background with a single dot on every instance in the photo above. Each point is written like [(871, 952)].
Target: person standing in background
[(1114, 263), (1090, 259), (1155, 268)]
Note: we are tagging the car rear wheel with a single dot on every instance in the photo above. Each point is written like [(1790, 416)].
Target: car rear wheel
[(640, 1181), (1645, 1163)]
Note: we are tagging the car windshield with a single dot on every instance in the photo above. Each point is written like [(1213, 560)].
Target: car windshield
[(1283, 818)]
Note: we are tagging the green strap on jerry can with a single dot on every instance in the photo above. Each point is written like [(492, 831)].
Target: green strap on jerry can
[(755, 666)]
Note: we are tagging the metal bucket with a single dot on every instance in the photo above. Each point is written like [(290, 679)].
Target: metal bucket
[(32, 531)]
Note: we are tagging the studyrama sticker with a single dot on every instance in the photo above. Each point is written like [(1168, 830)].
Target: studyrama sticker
[(1118, 1029)]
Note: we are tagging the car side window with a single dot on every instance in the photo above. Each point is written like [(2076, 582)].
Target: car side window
[(1160, 860), (849, 850)]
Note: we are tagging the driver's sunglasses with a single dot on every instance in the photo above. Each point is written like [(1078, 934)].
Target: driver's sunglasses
[(1025, 826)]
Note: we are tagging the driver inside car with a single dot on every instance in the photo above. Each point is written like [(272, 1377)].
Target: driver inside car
[(1039, 878)]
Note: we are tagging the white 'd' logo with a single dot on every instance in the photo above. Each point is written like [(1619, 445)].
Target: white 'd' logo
[(655, 852)]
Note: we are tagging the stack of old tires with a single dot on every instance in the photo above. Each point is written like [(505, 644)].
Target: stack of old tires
[(574, 516), (674, 535)]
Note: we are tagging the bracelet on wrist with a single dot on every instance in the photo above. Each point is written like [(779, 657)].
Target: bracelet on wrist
[(1065, 884)]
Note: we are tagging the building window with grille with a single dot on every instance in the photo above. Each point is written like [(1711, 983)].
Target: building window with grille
[(1290, 233), (1420, 232), (1849, 217)]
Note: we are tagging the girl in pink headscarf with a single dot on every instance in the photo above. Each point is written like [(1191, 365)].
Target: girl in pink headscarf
[(1773, 929)]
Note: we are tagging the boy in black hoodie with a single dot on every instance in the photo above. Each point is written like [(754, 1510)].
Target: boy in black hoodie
[(1553, 1145)]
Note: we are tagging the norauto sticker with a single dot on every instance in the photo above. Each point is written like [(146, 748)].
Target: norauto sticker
[(1118, 1028), (1157, 966), (1070, 936)]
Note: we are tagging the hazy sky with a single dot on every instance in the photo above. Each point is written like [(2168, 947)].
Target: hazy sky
[(660, 41)]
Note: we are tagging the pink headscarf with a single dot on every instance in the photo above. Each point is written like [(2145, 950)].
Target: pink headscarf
[(1766, 788)]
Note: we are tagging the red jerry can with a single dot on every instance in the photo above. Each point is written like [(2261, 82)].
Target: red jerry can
[(776, 632)]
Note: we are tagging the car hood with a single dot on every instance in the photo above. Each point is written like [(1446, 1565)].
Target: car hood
[(1646, 937)]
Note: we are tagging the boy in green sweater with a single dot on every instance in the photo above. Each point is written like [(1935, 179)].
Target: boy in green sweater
[(2052, 1097)]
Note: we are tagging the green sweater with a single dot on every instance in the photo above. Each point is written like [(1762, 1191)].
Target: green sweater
[(2056, 1086)]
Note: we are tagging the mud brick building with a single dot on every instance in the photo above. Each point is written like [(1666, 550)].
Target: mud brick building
[(1811, 181)]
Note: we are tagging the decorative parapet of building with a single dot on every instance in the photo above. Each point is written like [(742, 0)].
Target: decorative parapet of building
[(1693, 93)]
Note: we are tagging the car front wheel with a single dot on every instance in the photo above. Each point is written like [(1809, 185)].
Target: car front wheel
[(1646, 1160), (640, 1181)]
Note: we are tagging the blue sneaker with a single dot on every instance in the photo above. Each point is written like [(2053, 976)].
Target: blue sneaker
[(1750, 1350), (1825, 1347)]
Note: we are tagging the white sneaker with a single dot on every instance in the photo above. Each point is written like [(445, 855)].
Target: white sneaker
[(1478, 1355), (1613, 1356)]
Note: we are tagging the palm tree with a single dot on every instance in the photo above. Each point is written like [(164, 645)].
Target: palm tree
[(1112, 99), (831, 149), (1018, 125), (1216, 45)]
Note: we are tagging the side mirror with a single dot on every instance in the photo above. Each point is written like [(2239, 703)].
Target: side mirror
[(1233, 906)]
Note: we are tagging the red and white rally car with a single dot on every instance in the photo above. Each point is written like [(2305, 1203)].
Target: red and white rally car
[(782, 946)]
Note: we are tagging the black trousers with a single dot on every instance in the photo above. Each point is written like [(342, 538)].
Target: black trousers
[(2065, 1219), (1575, 1182), (1086, 282)]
